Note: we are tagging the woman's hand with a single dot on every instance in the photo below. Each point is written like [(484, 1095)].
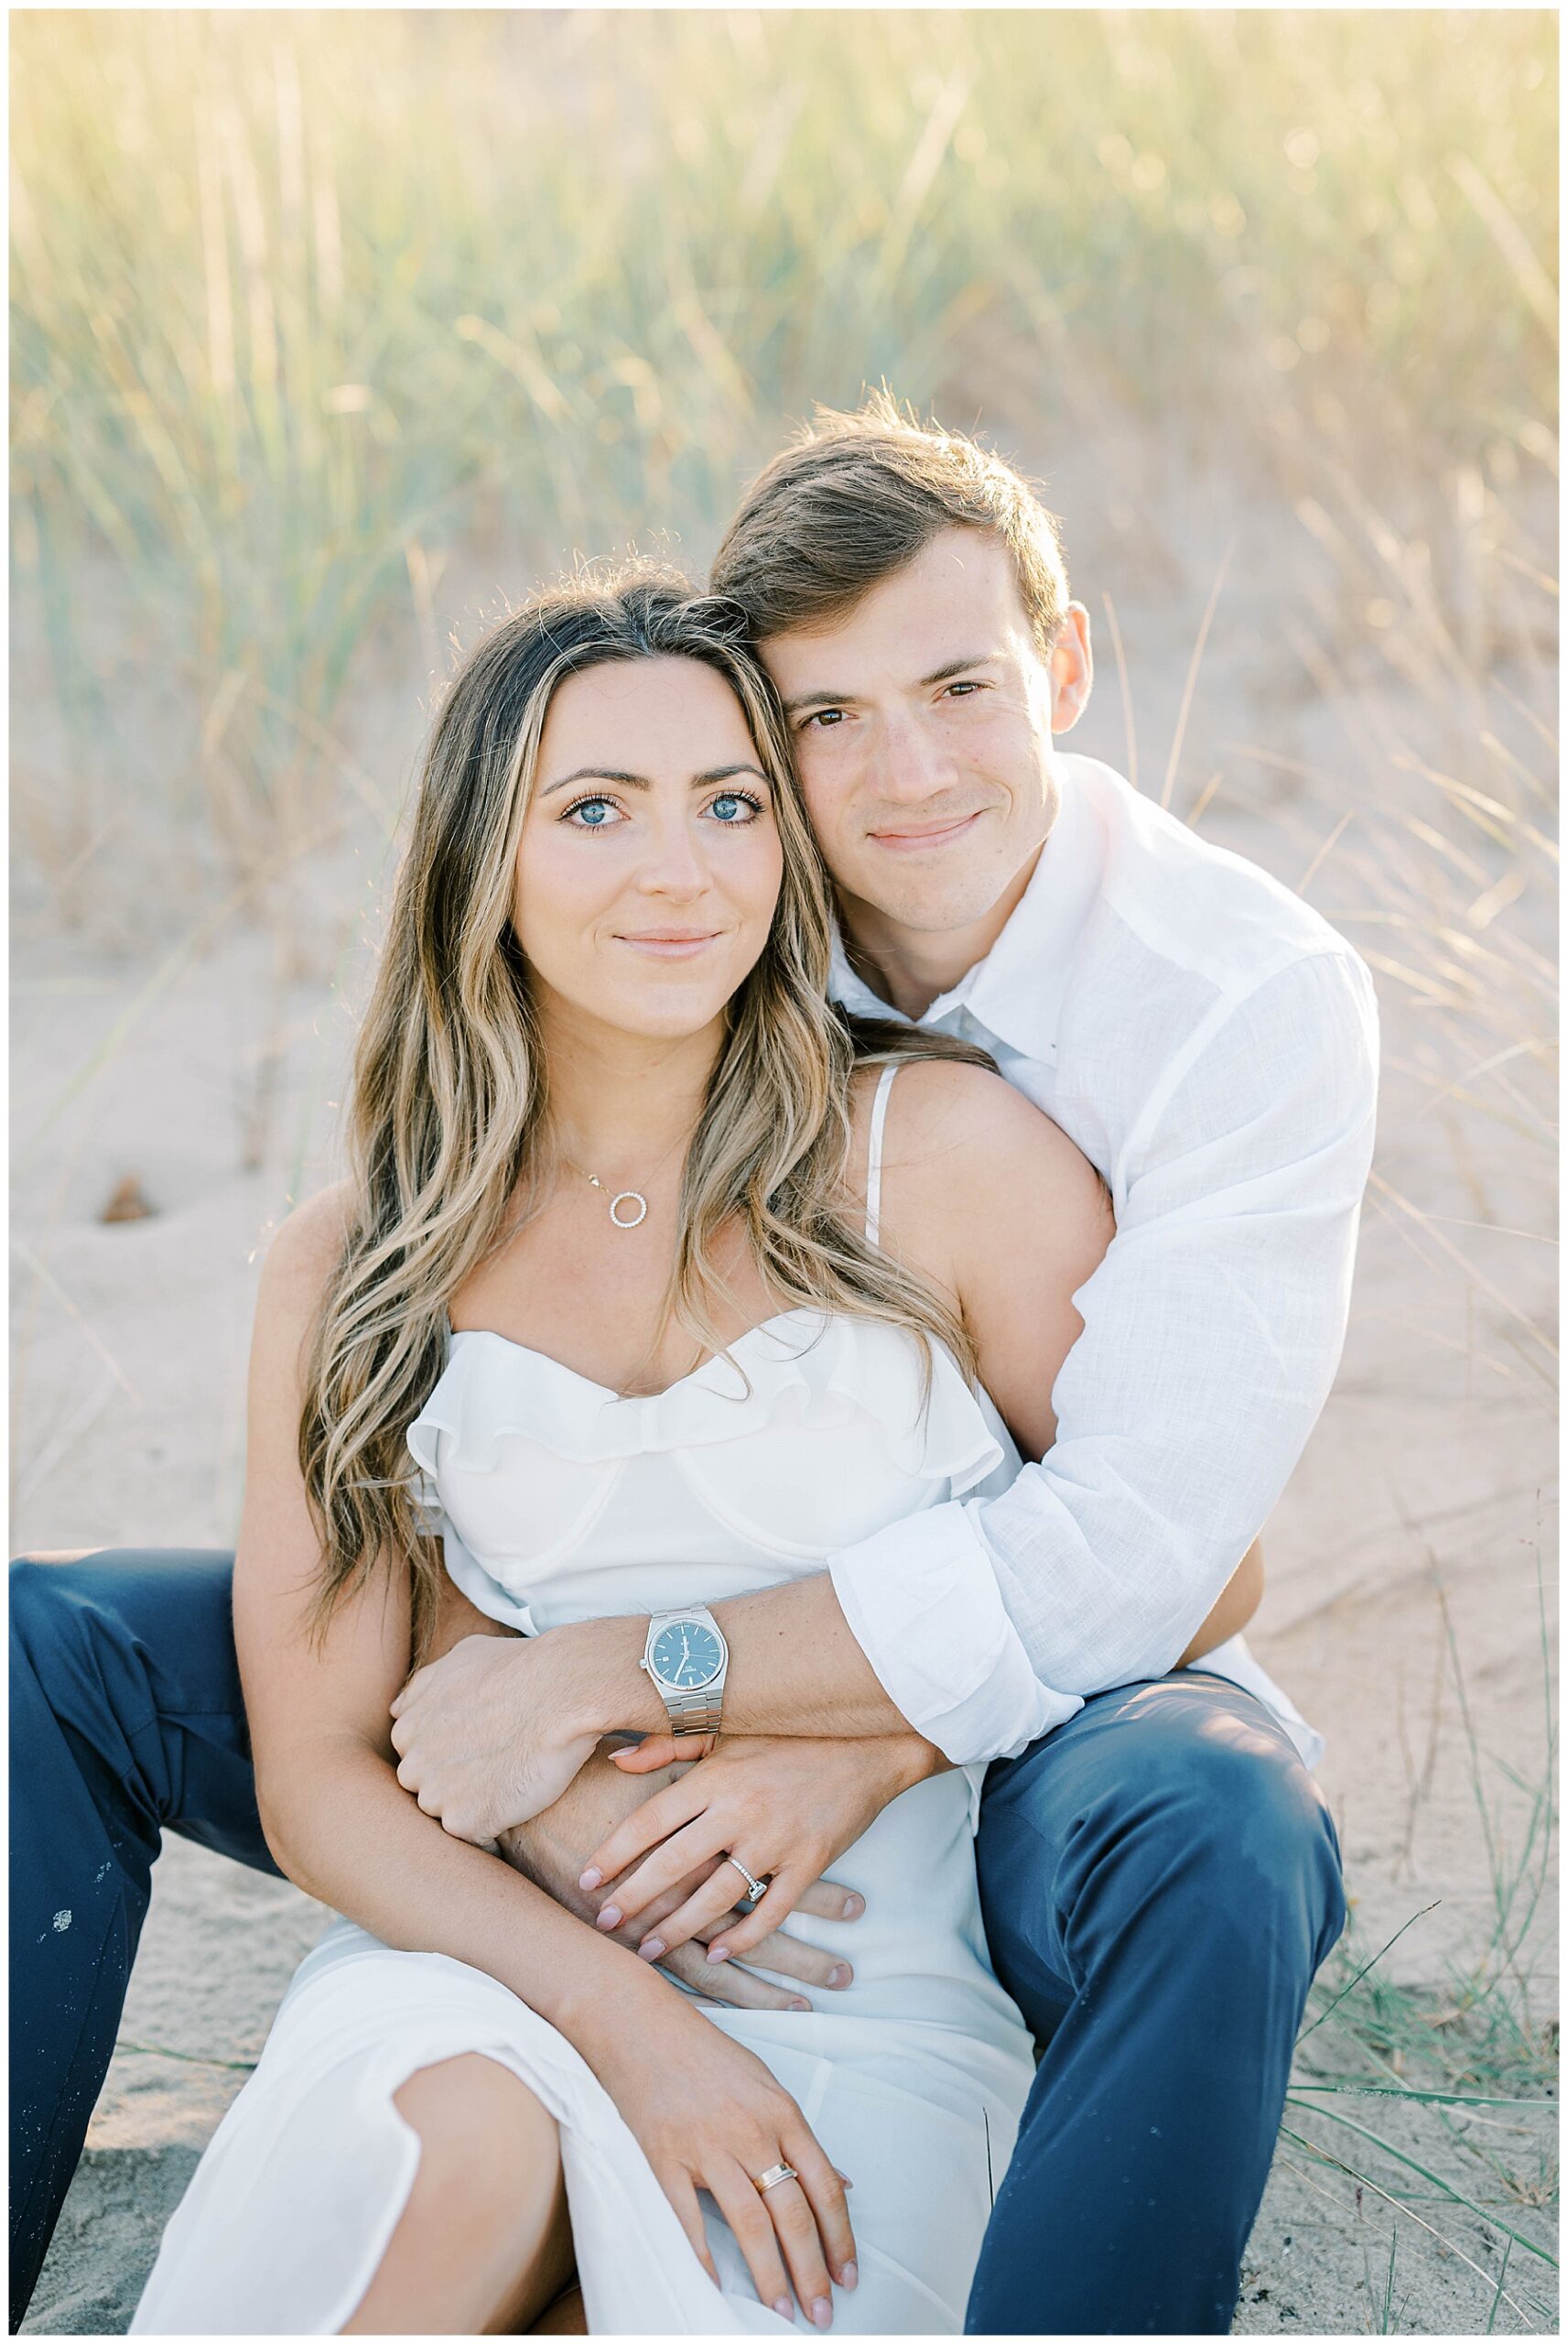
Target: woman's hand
[(553, 1849), (708, 2115), (785, 1807)]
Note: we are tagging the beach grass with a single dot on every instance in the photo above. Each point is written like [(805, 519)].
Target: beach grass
[(1429, 2103), (300, 298)]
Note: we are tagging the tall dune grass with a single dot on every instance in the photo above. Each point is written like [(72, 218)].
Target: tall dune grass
[(298, 297)]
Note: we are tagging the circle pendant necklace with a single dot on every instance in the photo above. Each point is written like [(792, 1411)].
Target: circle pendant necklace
[(633, 1200), (633, 1197)]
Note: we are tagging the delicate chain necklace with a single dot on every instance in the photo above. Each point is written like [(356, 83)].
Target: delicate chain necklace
[(632, 1197), (625, 1196)]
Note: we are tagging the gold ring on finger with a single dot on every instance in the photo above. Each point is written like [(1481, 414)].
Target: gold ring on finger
[(774, 2174)]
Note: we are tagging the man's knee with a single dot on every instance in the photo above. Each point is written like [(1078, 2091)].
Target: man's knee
[(114, 1644), (79, 1703), (1223, 1805), (37, 1610), (153, 1626), (73, 1622), (53, 1630), (1174, 1806)]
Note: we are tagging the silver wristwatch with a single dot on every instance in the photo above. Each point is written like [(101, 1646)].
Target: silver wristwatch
[(687, 1658)]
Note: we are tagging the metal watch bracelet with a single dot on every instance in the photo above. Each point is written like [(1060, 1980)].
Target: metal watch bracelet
[(693, 1712)]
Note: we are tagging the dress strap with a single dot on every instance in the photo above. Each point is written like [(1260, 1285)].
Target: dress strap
[(874, 1156)]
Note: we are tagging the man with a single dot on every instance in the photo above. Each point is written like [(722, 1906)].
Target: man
[(1160, 1875), (1156, 1894)]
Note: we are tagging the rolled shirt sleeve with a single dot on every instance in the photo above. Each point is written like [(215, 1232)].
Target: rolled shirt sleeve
[(1212, 1331)]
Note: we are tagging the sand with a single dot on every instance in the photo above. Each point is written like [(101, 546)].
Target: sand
[(1430, 1478)]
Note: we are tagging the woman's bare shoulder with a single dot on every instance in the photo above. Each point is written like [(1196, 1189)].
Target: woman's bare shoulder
[(956, 1120), (306, 1248), (991, 1196), (968, 1159), (925, 1094)]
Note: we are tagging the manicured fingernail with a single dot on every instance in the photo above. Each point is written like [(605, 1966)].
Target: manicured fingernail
[(786, 2308), (848, 2277), (719, 1953), (799, 2004), (822, 2313), (651, 1948), (840, 1974), (853, 1907), (611, 1916), (591, 1877), (844, 2178)]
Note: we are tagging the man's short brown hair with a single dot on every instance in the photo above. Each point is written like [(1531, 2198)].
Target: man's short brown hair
[(854, 497)]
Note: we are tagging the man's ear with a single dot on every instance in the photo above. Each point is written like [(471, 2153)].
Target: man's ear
[(1072, 666)]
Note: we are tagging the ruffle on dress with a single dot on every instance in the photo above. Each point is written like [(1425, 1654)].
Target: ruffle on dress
[(806, 1368)]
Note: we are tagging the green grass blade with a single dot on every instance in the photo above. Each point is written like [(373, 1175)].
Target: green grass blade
[(1447, 2188), (1447, 2099), (1365, 2181), (1365, 1968)]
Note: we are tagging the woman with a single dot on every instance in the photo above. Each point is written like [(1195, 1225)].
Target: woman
[(617, 1265)]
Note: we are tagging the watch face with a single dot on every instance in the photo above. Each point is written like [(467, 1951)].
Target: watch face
[(686, 1655)]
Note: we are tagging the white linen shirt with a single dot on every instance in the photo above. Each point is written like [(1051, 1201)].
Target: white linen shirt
[(1211, 1045)]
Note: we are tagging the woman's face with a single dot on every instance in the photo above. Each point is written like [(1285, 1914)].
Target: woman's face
[(649, 866)]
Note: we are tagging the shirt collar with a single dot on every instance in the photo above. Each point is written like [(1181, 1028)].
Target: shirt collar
[(1015, 992)]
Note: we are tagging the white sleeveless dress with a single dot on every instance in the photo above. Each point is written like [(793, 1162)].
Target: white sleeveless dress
[(561, 1501)]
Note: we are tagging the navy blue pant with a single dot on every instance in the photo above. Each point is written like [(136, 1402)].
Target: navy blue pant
[(125, 1721), (1159, 1878)]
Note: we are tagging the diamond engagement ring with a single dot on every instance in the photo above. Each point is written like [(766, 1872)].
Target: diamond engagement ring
[(754, 1888), (774, 2174)]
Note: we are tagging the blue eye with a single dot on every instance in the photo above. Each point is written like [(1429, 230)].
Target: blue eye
[(734, 810), (595, 812)]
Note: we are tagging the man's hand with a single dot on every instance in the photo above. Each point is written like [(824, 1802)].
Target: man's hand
[(553, 1850), (484, 1738), (785, 1806)]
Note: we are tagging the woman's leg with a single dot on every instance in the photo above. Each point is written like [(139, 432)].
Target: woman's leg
[(484, 2246), (565, 2317)]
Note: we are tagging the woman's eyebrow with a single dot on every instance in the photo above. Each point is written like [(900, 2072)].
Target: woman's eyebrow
[(726, 773), (596, 773), (641, 781)]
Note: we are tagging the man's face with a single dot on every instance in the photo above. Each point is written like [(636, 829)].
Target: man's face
[(922, 725)]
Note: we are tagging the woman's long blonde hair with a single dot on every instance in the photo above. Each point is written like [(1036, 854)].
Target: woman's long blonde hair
[(447, 1123)]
